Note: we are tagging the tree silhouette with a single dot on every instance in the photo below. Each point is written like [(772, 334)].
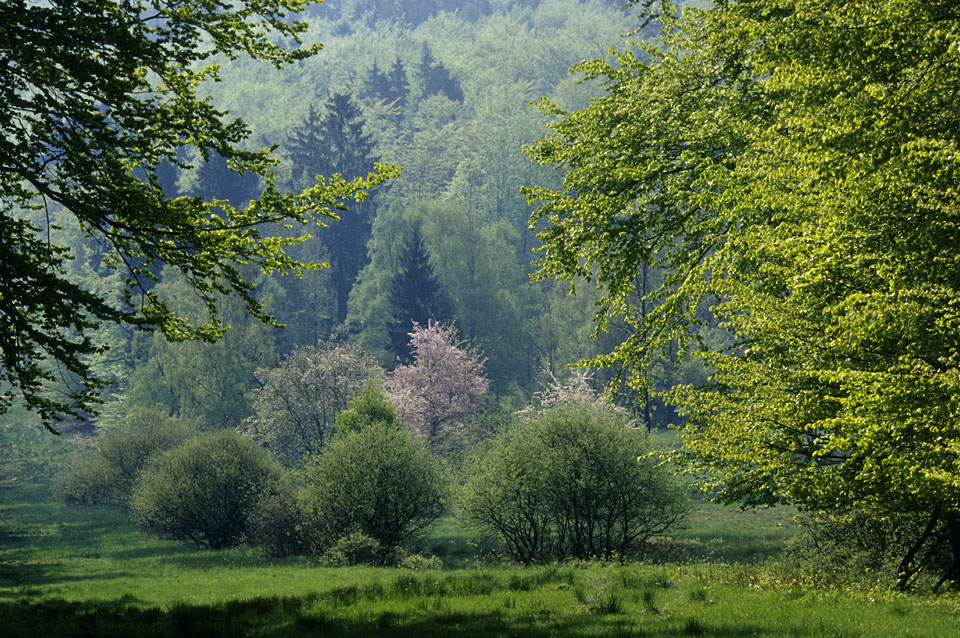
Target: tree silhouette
[(334, 142), (416, 297)]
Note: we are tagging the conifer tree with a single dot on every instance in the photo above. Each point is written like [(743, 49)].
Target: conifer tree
[(436, 78), (416, 297), (328, 143), (388, 86)]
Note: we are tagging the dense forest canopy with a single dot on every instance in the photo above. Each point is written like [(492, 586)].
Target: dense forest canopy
[(441, 91)]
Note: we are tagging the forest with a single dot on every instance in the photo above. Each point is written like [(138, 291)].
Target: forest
[(577, 317)]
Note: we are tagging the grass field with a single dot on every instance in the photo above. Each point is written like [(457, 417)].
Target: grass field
[(87, 572)]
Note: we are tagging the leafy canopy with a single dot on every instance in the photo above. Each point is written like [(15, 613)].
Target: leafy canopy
[(97, 94), (794, 164)]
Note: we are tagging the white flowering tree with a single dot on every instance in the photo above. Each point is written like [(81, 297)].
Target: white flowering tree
[(299, 400)]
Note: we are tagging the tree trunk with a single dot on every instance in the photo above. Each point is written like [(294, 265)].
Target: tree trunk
[(953, 529), (906, 570)]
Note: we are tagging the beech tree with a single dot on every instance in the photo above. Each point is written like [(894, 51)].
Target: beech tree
[(97, 94), (793, 164), (443, 389)]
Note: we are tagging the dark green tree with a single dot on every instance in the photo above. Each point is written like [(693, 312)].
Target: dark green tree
[(397, 87), (335, 143), (415, 296), (436, 78), (390, 86), (214, 179), (96, 95)]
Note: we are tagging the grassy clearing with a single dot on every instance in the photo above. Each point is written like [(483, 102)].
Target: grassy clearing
[(85, 571)]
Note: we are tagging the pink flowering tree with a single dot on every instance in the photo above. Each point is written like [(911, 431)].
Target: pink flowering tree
[(444, 388)]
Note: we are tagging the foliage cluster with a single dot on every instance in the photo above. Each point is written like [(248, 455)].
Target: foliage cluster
[(108, 474), (370, 492), (572, 481), (277, 524), (204, 491)]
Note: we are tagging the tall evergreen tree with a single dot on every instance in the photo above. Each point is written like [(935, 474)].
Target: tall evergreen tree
[(416, 296), (215, 178), (389, 86), (436, 78), (303, 146), (334, 142), (397, 84)]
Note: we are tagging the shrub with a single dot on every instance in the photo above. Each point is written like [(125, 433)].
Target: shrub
[(108, 474), (204, 491), (276, 524), (378, 481), (571, 481), (419, 562), (356, 548)]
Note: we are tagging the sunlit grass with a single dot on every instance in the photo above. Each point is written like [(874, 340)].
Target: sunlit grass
[(86, 571)]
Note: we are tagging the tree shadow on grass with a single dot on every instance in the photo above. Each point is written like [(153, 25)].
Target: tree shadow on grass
[(319, 615), (38, 576)]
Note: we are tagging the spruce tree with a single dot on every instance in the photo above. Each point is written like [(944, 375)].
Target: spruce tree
[(436, 78), (416, 296), (390, 87), (334, 142)]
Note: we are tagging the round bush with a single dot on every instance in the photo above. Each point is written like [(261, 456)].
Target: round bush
[(203, 491), (355, 548), (108, 474), (379, 482), (571, 482)]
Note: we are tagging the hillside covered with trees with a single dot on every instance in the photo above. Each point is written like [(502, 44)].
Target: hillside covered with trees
[(313, 277)]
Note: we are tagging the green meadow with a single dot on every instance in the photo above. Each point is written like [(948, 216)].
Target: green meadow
[(85, 571)]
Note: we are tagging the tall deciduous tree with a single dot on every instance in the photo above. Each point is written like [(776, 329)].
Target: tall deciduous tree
[(795, 164), (443, 389), (96, 95)]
